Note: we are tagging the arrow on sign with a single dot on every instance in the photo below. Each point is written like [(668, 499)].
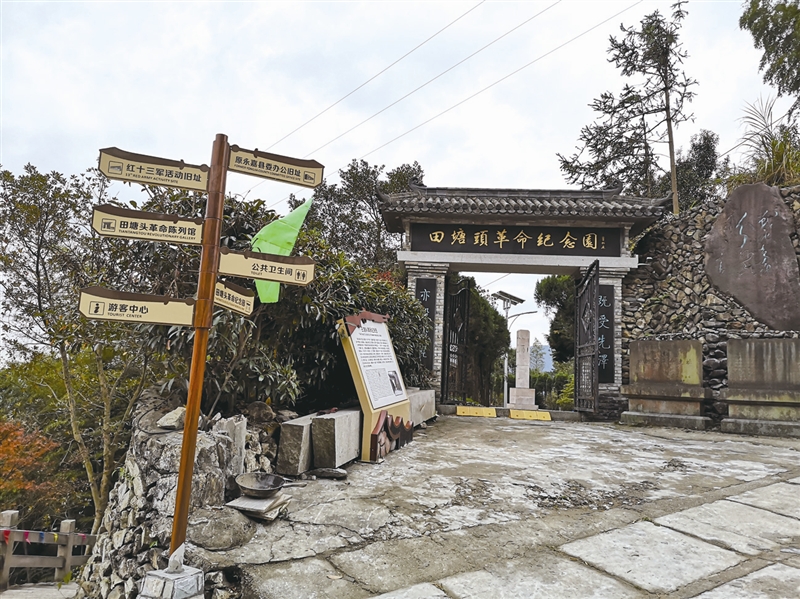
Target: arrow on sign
[(293, 270), (104, 304)]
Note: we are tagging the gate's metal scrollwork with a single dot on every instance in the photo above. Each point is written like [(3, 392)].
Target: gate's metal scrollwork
[(454, 348), (586, 298)]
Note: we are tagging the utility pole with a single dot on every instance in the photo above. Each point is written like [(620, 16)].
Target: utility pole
[(508, 301)]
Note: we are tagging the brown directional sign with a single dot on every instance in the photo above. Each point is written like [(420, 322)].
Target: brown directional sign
[(104, 304), (307, 173), (149, 170), (234, 297), (113, 221), (298, 270)]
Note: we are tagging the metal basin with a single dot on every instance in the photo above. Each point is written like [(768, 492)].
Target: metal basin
[(261, 484)]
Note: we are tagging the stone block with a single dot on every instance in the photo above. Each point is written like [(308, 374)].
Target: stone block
[(232, 461), (666, 379), (522, 399), (160, 584), (678, 362), (764, 380), (295, 451), (764, 364), (768, 428), (335, 438), (697, 423), (669, 405), (423, 405), (173, 420)]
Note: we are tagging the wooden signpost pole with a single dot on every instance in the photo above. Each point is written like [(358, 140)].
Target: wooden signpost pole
[(103, 304), (209, 264)]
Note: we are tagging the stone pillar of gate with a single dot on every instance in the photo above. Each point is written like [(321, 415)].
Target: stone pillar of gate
[(612, 278), (437, 271)]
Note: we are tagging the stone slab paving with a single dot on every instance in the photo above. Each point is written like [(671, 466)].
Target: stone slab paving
[(475, 502), (652, 557), (546, 576), (737, 526), (776, 581), (781, 498), (418, 591), (41, 591)]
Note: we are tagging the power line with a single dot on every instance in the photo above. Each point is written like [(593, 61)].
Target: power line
[(525, 66), (382, 110), (468, 98), (497, 279), (414, 49)]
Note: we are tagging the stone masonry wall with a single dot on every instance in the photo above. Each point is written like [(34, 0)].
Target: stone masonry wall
[(670, 296), (137, 525)]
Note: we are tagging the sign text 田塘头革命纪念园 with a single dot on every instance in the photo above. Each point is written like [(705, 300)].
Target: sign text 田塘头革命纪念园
[(516, 239)]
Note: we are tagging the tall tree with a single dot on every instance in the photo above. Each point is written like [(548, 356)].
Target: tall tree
[(537, 356), (487, 343), (775, 27), (348, 214), (556, 294), (620, 145), (47, 253), (699, 171)]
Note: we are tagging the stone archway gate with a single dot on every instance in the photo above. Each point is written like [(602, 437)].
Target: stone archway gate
[(520, 231)]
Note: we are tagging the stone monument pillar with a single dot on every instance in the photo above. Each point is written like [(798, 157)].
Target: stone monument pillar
[(523, 359), (521, 397)]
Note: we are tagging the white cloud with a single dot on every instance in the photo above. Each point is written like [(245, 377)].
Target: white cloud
[(162, 78)]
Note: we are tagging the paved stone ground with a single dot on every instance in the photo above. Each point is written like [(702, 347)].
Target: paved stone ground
[(497, 508), (41, 591), (501, 509)]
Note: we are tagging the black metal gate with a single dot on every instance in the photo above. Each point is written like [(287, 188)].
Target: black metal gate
[(586, 351), (454, 348)]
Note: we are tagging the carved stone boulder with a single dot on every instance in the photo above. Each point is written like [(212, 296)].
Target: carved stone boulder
[(749, 255)]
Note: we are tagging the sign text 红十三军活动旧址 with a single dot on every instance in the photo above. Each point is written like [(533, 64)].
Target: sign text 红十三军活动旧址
[(151, 170)]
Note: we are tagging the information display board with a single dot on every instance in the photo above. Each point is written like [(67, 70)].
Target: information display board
[(379, 384)]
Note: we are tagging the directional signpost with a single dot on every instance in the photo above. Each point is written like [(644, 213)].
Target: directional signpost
[(235, 298), (307, 173), (149, 170), (297, 270), (103, 304), (112, 221)]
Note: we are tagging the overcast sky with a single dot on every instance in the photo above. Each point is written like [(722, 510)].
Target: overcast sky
[(162, 78)]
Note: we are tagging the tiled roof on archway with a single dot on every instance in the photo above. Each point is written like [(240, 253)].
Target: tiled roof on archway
[(446, 203)]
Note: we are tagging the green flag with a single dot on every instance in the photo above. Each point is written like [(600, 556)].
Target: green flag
[(278, 237)]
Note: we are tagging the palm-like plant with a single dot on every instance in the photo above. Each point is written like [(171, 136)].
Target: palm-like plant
[(772, 148)]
